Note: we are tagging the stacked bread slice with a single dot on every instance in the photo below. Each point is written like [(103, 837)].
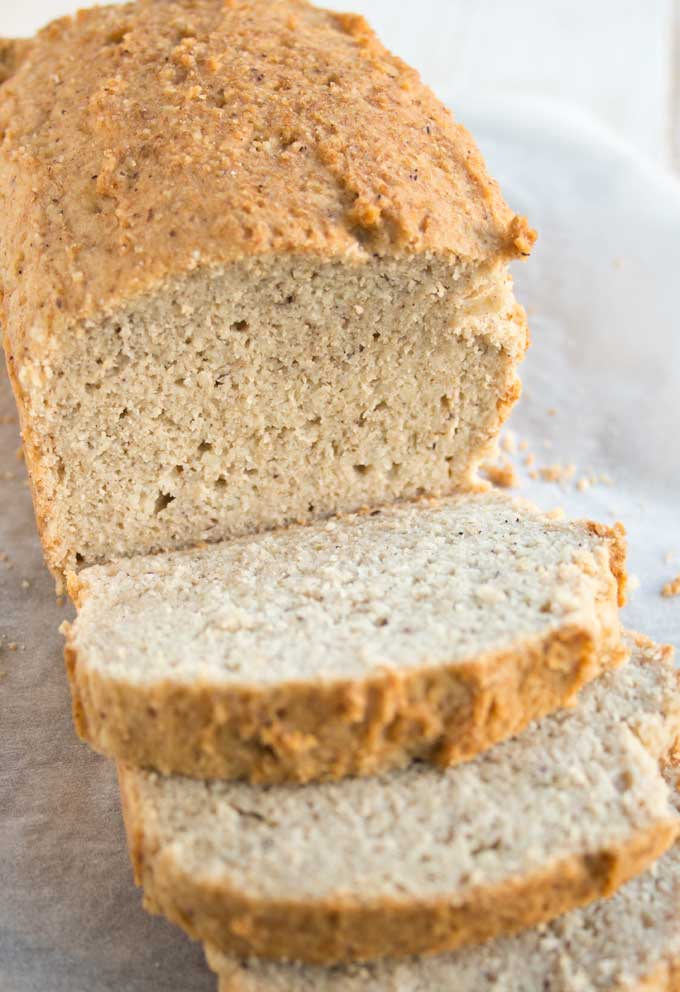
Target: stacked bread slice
[(425, 630), (383, 731), (426, 733)]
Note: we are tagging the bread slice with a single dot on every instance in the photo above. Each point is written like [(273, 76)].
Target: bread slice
[(419, 860), (270, 280), (629, 943), (426, 630)]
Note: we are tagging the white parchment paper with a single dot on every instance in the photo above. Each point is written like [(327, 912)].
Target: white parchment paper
[(602, 293)]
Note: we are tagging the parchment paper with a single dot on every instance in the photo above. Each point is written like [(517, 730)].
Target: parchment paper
[(602, 293)]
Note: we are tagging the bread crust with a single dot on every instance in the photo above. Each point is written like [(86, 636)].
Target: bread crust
[(302, 731), (344, 930), (199, 132), (665, 977), (13, 51)]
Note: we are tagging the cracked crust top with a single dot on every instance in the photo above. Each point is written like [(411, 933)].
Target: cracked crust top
[(141, 141)]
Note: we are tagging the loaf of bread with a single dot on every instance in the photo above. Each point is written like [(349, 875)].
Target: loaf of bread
[(420, 860), (429, 629), (629, 943), (251, 270)]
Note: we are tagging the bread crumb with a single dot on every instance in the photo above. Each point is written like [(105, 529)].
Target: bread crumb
[(552, 412), (529, 460), (503, 475), (12, 646), (671, 588), (25, 584), (557, 473), (583, 484), (523, 445), (533, 474)]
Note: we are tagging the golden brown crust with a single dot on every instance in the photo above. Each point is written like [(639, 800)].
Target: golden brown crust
[(13, 51), (141, 141), (665, 977), (616, 538), (343, 930), (129, 802), (33, 459), (307, 731)]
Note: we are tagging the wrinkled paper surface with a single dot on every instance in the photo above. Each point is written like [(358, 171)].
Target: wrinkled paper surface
[(602, 295)]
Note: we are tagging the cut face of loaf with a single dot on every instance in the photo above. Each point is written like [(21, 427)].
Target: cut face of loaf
[(270, 282), (420, 860), (272, 392), (629, 943), (429, 630)]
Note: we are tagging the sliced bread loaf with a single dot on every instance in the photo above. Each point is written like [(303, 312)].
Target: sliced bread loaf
[(419, 860), (430, 630), (629, 943), (270, 282)]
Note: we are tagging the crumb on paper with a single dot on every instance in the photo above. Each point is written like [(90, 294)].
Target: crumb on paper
[(671, 588), (557, 472), (523, 445), (583, 484), (552, 412), (19, 453), (504, 475), (25, 584), (529, 460), (617, 262)]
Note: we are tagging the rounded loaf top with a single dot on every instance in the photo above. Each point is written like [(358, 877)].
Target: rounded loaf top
[(147, 139)]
